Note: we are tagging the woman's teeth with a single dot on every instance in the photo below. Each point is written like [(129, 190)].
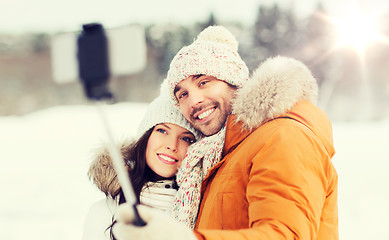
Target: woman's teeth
[(166, 158)]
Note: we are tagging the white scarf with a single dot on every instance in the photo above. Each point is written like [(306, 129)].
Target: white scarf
[(201, 156), (159, 195)]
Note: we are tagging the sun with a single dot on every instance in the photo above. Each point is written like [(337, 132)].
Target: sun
[(357, 31)]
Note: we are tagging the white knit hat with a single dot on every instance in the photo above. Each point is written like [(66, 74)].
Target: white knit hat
[(213, 53), (163, 110)]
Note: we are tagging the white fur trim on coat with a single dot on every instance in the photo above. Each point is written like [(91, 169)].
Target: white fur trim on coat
[(275, 87)]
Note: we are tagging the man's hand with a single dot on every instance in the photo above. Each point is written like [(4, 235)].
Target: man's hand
[(159, 226)]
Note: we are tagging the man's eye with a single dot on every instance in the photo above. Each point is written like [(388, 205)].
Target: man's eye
[(181, 95), (202, 83)]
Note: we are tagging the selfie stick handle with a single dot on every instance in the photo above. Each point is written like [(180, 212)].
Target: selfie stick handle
[(94, 73), (119, 166)]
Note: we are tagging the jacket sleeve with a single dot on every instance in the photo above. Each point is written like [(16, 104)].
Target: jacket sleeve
[(99, 219), (286, 189)]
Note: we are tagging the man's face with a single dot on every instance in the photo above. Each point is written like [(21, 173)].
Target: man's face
[(205, 102)]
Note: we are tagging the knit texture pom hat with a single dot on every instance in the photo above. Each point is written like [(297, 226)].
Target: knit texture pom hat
[(163, 110), (213, 53)]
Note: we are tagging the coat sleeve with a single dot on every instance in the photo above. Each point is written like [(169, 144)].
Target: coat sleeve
[(98, 220), (286, 189)]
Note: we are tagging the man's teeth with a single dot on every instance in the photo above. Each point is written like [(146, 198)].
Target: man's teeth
[(205, 114), (166, 158)]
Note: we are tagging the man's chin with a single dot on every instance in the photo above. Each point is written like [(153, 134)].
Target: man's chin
[(208, 130)]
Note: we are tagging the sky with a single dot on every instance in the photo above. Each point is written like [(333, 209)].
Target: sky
[(19, 16), (45, 155)]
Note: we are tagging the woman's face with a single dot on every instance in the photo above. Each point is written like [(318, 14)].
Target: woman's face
[(166, 148)]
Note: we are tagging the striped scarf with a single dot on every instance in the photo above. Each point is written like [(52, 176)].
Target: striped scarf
[(201, 156)]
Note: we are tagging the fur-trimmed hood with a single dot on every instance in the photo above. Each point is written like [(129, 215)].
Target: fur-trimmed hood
[(282, 87), (102, 172), (274, 88)]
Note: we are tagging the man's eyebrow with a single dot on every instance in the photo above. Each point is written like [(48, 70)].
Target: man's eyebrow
[(194, 77), (197, 76), (176, 89)]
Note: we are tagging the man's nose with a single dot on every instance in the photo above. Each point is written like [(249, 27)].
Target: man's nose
[(196, 97)]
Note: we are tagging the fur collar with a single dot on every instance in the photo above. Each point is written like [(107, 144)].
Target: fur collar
[(274, 88), (102, 172)]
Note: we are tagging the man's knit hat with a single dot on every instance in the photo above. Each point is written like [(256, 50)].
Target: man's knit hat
[(213, 53), (163, 110)]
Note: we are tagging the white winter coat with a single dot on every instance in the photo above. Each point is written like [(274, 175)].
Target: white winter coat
[(159, 195)]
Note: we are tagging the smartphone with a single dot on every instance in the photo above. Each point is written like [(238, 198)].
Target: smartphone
[(126, 53)]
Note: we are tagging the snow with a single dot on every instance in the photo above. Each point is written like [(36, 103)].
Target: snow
[(45, 156)]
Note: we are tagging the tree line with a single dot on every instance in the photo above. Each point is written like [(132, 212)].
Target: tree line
[(26, 83)]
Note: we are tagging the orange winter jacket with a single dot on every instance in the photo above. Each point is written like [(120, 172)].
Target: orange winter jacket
[(276, 179), (275, 182)]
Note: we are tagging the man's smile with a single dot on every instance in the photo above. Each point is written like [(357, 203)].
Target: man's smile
[(205, 113)]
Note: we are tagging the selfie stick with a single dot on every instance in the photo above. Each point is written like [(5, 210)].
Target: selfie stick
[(122, 173), (94, 73)]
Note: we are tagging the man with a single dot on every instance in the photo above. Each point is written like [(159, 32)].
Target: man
[(275, 179)]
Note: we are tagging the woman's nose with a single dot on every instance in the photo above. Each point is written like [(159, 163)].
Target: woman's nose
[(172, 145)]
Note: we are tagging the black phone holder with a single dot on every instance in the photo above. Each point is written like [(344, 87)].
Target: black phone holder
[(93, 61)]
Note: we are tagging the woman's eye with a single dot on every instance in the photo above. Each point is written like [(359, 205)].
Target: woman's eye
[(188, 139), (161, 130)]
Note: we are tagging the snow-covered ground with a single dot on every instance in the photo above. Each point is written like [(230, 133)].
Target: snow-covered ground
[(44, 157)]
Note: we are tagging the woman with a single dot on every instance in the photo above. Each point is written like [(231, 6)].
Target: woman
[(152, 161)]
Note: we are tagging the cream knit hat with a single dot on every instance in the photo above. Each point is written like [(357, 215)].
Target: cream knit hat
[(163, 110), (213, 53)]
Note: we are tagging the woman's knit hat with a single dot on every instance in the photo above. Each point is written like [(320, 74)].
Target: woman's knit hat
[(213, 53), (163, 110)]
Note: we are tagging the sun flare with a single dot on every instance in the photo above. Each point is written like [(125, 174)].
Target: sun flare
[(357, 31)]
